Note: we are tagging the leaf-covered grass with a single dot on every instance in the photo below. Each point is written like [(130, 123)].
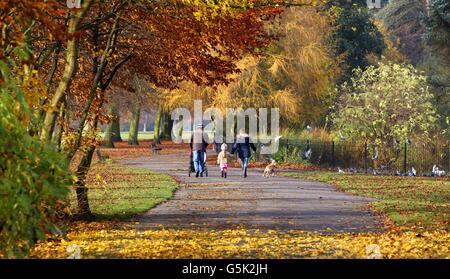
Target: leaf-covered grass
[(411, 202), (118, 240), (119, 191)]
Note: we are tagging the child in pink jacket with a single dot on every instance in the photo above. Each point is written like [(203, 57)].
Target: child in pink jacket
[(222, 159)]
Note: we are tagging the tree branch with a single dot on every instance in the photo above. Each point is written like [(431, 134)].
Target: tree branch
[(114, 71)]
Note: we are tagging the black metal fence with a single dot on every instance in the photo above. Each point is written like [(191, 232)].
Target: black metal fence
[(398, 158)]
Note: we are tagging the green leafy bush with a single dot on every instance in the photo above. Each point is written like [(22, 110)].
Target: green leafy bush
[(33, 177), (288, 155), (384, 105)]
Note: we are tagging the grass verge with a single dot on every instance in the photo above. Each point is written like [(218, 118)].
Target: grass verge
[(411, 202), (118, 191)]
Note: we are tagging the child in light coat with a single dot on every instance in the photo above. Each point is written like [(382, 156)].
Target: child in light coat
[(222, 159)]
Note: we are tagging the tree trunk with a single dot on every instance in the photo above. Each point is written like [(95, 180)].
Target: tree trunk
[(57, 137), (40, 114), (66, 79), (167, 125), (64, 84), (134, 125), (81, 173), (54, 67), (99, 67), (164, 125), (107, 140), (115, 127), (156, 126), (81, 189)]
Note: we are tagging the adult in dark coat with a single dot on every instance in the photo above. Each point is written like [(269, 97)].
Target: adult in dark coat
[(198, 144), (242, 147)]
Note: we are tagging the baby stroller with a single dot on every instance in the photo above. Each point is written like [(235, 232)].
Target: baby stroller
[(191, 165)]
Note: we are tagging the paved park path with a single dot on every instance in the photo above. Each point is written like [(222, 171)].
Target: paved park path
[(255, 202)]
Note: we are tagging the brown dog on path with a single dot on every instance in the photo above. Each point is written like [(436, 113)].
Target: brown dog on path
[(270, 169)]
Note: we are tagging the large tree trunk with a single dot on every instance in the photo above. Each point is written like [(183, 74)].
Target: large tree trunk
[(164, 126), (134, 125), (81, 173), (167, 125), (115, 127), (156, 126), (85, 163), (107, 140), (112, 132), (81, 189)]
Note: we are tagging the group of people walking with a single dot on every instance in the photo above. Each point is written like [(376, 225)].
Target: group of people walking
[(242, 146)]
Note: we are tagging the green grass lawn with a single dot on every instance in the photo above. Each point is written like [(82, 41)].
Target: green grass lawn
[(411, 202), (124, 135), (117, 191)]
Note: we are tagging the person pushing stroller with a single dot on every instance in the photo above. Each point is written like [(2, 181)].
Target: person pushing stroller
[(198, 144)]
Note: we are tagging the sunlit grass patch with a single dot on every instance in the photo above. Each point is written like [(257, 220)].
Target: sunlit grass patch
[(116, 190)]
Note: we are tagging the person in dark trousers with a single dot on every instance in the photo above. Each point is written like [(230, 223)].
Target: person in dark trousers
[(242, 146), (198, 144)]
